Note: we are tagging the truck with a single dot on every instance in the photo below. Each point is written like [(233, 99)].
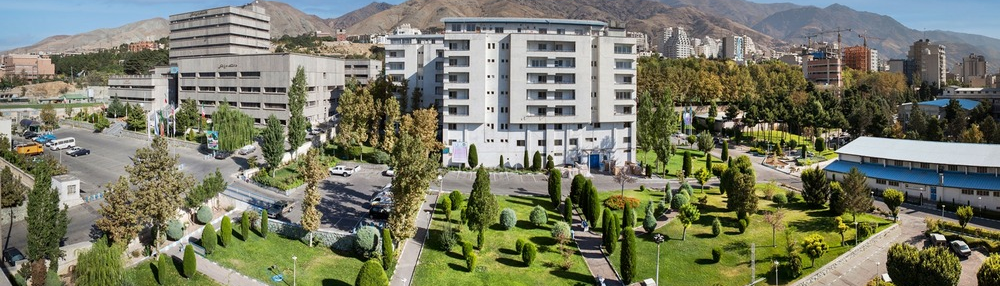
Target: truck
[(344, 170), (30, 149)]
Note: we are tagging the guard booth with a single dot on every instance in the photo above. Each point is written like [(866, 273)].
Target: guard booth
[(31, 125)]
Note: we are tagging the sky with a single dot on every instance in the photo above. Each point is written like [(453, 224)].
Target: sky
[(26, 22)]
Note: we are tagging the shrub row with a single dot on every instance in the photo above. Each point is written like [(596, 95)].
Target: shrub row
[(617, 202)]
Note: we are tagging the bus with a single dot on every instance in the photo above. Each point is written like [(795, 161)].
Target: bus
[(64, 143)]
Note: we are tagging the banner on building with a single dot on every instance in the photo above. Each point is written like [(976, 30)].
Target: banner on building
[(460, 152), (213, 139)]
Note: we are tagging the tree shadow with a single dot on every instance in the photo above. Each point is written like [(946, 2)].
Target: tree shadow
[(811, 224), (334, 282), (156, 274), (704, 261), (95, 233), (510, 262), (543, 240), (732, 232), (704, 235), (573, 276), (178, 265), (525, 224), (710, 208), (508, 251), (457, 267)]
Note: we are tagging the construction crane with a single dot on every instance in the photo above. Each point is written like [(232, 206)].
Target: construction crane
[(866, 37)]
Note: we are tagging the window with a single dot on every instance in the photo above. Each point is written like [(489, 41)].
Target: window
[(558, 111), (591, 139), (623, 95), (206, 88), (557, 142), (982, 193), (627, 79), (982, 170), (542, 112), (206, 74), (250, 104), (558, 126), (880, 181), (872, 160), (575, 141), (925, 166), (250, 74), (188, 74), (560, 31), (187, 88), (894, 183), (71, 189), (542, 79), (274, 106), (541, 126), (456, 27), (274, 89), (249, 89), (542, 95), (543, 47), (967, 192), (628, 124), (520, 143), (452, 126), (627, 110), (597, 125), (227, 74), (953, 168), (897, 163), (627, 139), (543, 31), (498, 30), (227, 88), (541, 142)]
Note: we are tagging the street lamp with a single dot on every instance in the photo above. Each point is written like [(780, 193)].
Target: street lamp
[(658, 238), (942, 209), (876, 268), (981, 207), (294, 259), (775, 273), (855, 233)]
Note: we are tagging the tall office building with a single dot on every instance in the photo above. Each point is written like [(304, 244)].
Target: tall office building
[(564, 88), (732, 48), (928, 62), (972, 71), (220, 31), (676, 43)]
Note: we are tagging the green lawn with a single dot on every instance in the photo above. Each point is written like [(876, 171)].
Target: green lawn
[(499, 263), (144, 275), (676, 162), (56, 105), (690, 262), (316, 265)]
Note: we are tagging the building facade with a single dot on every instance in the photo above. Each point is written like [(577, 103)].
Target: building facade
[(143, 46), (934, 108), (991, 95), (220, 31), (362, 70), (418, 60), (732, 48), (150, 91), (957, 173), (676, 43), (29, 67), (973, 70), (564, 88), (861, 58), (929, 63), (823, 71)]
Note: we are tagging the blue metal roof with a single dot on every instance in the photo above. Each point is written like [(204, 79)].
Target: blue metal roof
[(919, 176), (522, 20), (966, 104)]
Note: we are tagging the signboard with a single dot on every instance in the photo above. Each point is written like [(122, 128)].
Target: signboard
[(460, 152), (688, 117), (213, 139)]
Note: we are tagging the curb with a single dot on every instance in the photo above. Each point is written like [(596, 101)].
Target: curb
[(822, 271)]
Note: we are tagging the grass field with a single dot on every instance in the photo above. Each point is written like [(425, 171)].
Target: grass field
[(690, 262), (144, 275), (676, 162), (499, 263), (315, 266)]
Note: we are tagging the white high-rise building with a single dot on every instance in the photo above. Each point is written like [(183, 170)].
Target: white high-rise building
[(564, 88), (419, 60), (676, 43)]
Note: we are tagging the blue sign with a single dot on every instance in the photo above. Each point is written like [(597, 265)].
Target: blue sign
[(278, 278), (174, 70)]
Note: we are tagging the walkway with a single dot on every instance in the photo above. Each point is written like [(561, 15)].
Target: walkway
[(409, 258), (590, 248), (224, 276)]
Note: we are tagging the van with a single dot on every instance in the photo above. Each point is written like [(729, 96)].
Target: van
[(64, 143), (248, 149)]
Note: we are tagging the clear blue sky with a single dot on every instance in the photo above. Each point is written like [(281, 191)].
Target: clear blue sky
[(25, 22)]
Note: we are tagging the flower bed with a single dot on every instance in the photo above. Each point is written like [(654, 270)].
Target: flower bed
[(617, 202)]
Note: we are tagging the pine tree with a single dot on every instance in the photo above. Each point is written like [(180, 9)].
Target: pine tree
[(159, 184), (482, 209), (296, 102), (857, 198), (273, 145), (313, 171), (414, 172)]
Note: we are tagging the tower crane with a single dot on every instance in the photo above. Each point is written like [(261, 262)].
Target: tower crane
[(866, 37)]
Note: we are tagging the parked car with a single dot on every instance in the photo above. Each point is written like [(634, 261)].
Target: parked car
[(279, 208), (78, 151), (381, 198), (938, 239), (960, 248), (344, 170), (380, 211), (29, 134), (221, 155), (391, 172), (248, 149), (45, 138), (12, 256)]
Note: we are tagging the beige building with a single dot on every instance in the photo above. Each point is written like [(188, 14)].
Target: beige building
[(928, 62), (362, 70), (28, 66), (149, 90), (220, 31)]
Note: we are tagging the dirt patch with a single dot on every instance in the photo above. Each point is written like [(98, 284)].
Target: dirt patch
[(775, 162), (45, 90)]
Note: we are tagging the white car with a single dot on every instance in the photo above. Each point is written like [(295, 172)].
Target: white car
[(344, 170), (391, 172)]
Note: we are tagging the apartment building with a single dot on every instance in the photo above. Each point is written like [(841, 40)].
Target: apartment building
[(564, 88), (362, 70), (929, 63), (418, 60), (676, 44), (220, 31), (732, 48), (28, 66), (861, 58)]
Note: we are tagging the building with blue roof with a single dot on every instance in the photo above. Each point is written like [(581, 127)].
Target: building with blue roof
[(934, 108), (961, 173)]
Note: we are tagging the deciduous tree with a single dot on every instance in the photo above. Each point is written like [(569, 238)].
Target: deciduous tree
[(893, 199), (119, 216), (313, 171), (235, 128), (296, 103), (814, 247), (273, 145), (964, 215), (102, 264), (414, 172), (689, 214), (47, 222), (989, 272), (777, 221), (356, 108)]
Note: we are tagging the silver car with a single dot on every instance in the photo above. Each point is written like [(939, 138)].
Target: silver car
[(961, 248)]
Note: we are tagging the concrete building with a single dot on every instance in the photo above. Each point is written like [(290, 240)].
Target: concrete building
[(29, 67), (420, 61), (732, 48), (823, 71), (143, 46), (68, 187), (991, 95), (935, 172), (676, 43), (362, 70), (972, 71), (149, 91), (220, 31), (928, 63), (861, 58), (641, 41), (934, 108), (707, 47), (565, 88)]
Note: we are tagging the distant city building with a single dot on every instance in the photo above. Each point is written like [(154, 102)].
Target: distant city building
[(749, 49), (406, 30), (220, 31), (676, 43), (972, 71), (29, 67), (928, 62), (928, 171), (732, 48), (707, 47), (861, 58), (822, 65), (991, 95), (641, 40), (341, 35), (791, 59), (143, 46)]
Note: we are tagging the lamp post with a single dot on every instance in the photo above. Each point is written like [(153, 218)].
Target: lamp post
[(775, 273), (658, 238), (294, 268), (876, 268), (981, 207), (942, 209), (855, 233)]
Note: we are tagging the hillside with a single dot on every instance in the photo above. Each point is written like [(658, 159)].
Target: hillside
[(739, 11), (358, 15), (287, 20), (150, 29)]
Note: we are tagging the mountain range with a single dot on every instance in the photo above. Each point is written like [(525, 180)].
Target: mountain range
[(772, 26)]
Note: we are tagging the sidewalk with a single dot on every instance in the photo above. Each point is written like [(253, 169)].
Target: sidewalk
[(224, 276), (590, 248), (409, 258)]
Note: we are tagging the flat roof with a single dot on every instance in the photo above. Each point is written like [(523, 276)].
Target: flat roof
[(522, 20), (949, 153), (919, 176), (966, 104)]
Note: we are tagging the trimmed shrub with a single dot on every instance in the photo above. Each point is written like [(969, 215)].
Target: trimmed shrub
[(686, 164), (866, 229), (779, 199), (380, 157), (716, 254), (175, 230), (364, 243), (628, 217), (568, 210), (525, 165), (473, 156), (680, 200), (536, 162), (576, 188), (470, 261), (226, 234), (263, 224), (456, 200), (668, 196), (617, 202), (508, 218), (481, 238), (447, 239), (820, 145), (388, 252), (716, 227), (793, 268), (561, 231), (190, 264), (538, 216), (549, 164), (743, 224), (628, 256), (204, 214), (245, 226), (649, 222), (794, 197), (528, 253), (371, 274), (209, 239), (446, 208), (555, 186), (161, 268), (519, 244), (661, 208), (687, 189)]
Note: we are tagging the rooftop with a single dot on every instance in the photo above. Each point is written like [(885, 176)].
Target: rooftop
[(920, 176), (966, 104), (963, 154), (522, 20)]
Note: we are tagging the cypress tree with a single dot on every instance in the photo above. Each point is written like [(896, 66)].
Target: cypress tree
[(525, 165), (725, 151), (209, 239), (555, 187), (568, 211), (473, 157), (687, 164), (536, 161), (388, 252), (161, 268), (226, 234), (628, 217), (595, 205), (190, 264), (628, 257), (263, 224), (245, 226), (296, 102)]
